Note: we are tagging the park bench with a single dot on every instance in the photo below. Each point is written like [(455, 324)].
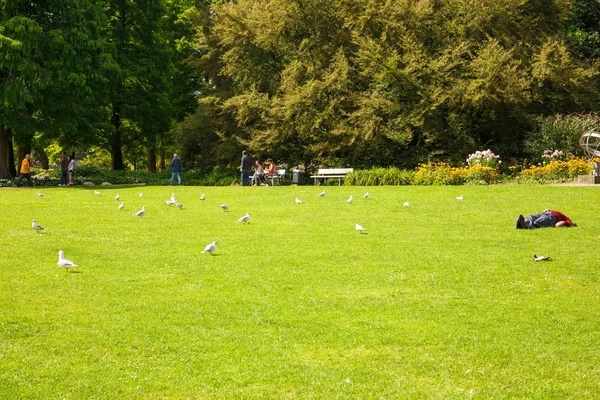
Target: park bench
[(278, 177), (323, 174)]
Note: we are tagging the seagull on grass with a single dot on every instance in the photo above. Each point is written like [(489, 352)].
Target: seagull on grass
[(541, 258), (41, 194), (245, 218), (360, 228), (406, 204), (202, 197), (141, 194), (460, 198), (224, 207), (96, 192), (349, 200), (122, 205), (179, 205), (322, 193), (210, 248), (37, 227), (366, 196), (298, 201), (140, 213), (63, 262), (117, 197)]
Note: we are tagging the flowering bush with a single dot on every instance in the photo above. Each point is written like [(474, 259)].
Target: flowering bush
[(557, 171), (444, 174), (554, 155), (483, 158)]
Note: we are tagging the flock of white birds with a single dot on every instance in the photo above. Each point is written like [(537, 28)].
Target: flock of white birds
[(210, 248)]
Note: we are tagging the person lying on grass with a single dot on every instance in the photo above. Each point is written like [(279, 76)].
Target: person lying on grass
[(545, 219)]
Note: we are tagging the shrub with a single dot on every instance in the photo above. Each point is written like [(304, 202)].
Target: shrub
[(560, 132), (379, 176), (557, 171), (444, 174)]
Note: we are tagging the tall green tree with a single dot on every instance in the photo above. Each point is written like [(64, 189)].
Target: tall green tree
[(54, 63), (139, 94), (391, 82)]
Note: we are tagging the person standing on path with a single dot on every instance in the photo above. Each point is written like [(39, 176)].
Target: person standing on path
[(245, 168), (175, 169), (25, 171), (64, 167)]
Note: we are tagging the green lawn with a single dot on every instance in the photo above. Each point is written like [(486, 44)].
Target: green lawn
[(440, 299)]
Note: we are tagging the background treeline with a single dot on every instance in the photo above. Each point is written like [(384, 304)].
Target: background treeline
[(356, 83)]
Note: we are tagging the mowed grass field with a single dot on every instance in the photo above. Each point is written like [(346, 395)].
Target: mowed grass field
[(440, 299)]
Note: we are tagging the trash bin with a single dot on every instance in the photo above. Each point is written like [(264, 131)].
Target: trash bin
[(298, 177)]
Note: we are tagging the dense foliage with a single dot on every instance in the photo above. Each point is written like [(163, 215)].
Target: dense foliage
[(365, 83), (358, 83)]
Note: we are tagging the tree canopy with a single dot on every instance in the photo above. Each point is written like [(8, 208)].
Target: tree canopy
[(338, 82)]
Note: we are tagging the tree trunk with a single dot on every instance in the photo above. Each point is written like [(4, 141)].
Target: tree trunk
[(7, 158), (23, 151), (43, 157), (163, 164), (152, 159), (115, 141)]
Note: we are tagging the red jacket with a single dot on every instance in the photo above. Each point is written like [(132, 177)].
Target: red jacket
[(561, 217)]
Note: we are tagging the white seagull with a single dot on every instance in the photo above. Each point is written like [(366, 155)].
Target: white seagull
[(179, 205), (122, 205), (141, 194), (41, 194), (298, 201), (245, 218), (210, 248), (460, 198), (366, 196), (202, 197), (349, 200), (360, 228), (117, 197), (140, 213), (322, 193), (169, 202), (35, 226), (63, 262), (406, 204), (541, 258), (96, 192), (224, 207)]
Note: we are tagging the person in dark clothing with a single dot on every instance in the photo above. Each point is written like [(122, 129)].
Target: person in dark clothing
[(175, 169), (245, 168), (547, 218), (64, 169)]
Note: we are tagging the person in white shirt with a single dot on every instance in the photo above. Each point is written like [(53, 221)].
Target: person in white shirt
[(70, 169), (258, 173)]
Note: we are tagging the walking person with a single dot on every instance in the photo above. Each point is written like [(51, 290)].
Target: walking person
[(175, 169), (64, 168), (71, 169), (25, 171), (245, 168)]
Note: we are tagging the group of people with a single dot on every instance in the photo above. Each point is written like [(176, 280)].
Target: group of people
[(67, 166), (260, 175)]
